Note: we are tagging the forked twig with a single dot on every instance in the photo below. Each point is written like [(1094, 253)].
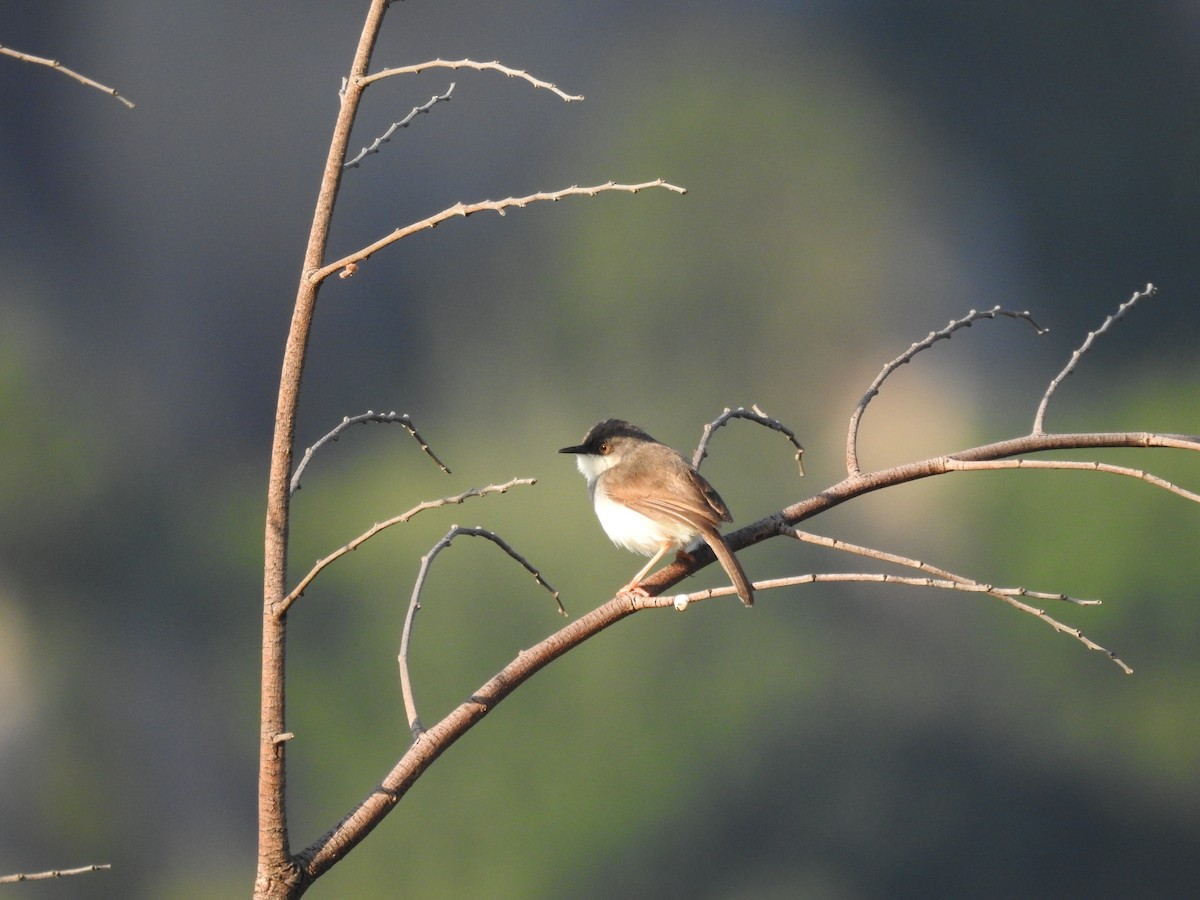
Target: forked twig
[(70, 73), (754, 414), (414, 604), (852, 465), (1007, 595), (395, 520), (884, 556), (403, 123), (53, 873), (368, 416), (492, 66), (462, 210), (1038, 420)]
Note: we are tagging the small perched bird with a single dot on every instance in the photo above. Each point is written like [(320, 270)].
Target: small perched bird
[(649, 499)]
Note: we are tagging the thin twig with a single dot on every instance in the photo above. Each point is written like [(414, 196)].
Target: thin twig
[(884, 556), (1038, 420), (1086, 465), (1007, 595), (53, 873), (396, 520), (414, 604), (466, 209), (368, 416), (852, 466), (70, 73), (403, 123), (754, 414), (493, 66)]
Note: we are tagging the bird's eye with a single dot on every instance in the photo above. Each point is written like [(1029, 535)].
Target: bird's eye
[(604, 448)]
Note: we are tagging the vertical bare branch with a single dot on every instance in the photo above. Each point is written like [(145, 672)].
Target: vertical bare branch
[(277, 873)]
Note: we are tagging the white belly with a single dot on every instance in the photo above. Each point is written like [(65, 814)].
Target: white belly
[(636, 532)]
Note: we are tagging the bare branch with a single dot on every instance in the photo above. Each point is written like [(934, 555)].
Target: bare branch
[(492, 66), (1086, 465), (53, 873), (884, 556), (467, 209), (70, 73), (396, 520), (852, 466), (1007, 595), (754, 414), (403, 123), (414, 604), (368, 416), (1038, 420)]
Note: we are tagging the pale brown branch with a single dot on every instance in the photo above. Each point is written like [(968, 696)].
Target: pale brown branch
[(492, 66), (884, 556), (368, 416), (396, 520), (959, 465), (53, 873), (403, 123), (754, 414), (70, 73), (852, 464), (952, 583), (462, 210), (1039, 419), (414, 604)]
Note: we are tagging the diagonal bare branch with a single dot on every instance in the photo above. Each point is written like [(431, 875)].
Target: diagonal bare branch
[(492, 66), (754, 414), (70, 73), (414, 604), (320, 565), (1039, 419), (1007, 595), (368, 416), (403, 123), (462, 210), (852, 465)]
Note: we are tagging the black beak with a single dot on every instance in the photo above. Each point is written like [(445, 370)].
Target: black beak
[(580, 449)]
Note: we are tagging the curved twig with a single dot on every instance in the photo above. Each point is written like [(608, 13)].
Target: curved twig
[(414, 604), (754, 414), (368, 416), (852, 465), (1039, 419)]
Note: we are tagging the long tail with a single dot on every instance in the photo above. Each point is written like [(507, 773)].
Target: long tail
[(730, 563)]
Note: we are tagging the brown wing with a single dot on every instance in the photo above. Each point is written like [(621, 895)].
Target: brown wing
[(668, 487)]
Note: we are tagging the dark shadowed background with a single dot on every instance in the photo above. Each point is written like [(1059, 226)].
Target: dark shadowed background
[(858, 174)]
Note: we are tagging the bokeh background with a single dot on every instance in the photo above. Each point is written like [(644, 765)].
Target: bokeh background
[(858, 174)]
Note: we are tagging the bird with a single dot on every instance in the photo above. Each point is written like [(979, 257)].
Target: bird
[(650, 500)]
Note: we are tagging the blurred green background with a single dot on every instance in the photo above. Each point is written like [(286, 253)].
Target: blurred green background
[(858, 175)]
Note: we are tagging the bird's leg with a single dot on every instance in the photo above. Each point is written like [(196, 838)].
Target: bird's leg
[(633, 584)]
